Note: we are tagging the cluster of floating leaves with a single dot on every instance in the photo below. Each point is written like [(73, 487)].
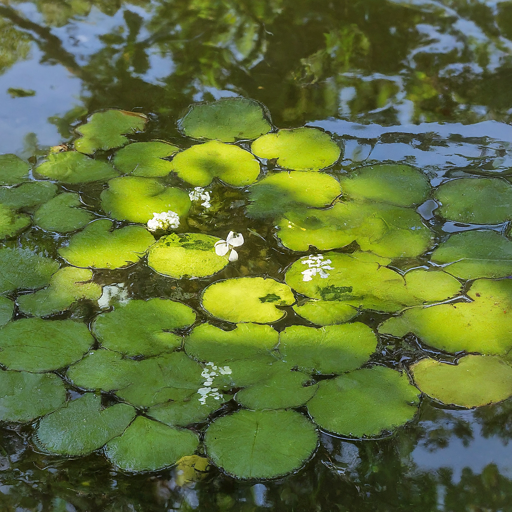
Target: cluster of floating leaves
[(154, 382)]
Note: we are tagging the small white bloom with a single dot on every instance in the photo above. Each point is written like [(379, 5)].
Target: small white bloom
[(164, 220), (317, 265), (226, 370), (200, 193), (222, 247)]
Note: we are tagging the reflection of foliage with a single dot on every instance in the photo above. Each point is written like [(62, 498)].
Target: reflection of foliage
[(14, 45)]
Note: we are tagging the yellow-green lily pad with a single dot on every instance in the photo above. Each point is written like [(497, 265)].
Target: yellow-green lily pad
[(325, 312), (13, 170), (145, 159), (11, 223)]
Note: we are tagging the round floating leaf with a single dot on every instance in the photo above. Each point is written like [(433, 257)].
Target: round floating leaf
[(62, 214), (145, 159), (82, 426), (472, 382), (36, 345), (72, 167), (99, 247), (199, 164), (105, 130), (13, 170), (302, 149), (22, 268), (398, 184), (148, 445), (323, 312), (209, 343), (261, 444), (247, 299), (6, 310), (474, 254), (25, 396), (186, 255), (138, 199), (364, 402), (143, 327), (28, 195), (331, 349), (255, 370), (11, 223), (475, 201), (226, 120), (67, 286)]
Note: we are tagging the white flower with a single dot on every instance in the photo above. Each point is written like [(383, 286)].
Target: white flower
[(200, 193), (317, 265), (164, 220), (222, 247)]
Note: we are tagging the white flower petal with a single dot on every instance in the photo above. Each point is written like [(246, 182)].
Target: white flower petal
[(235, 239), (233, 256), (221, 248)]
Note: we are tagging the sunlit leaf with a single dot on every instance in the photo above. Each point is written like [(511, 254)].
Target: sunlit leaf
[(13, 170), (11, 223), (145, 159), (323, 312)]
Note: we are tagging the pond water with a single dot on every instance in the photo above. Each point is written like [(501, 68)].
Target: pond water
[(408, 109)]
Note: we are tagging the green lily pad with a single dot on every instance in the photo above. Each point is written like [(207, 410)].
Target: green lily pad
[(82, 426), (145, 159), (475, 201), (13, 170), (199, 164), (301, 149), (247, 299), (282, 191), (11, 223), (474, 381), (6, 310), (261, 444), (26, 396), (474, 254), (209, 343), (67, 286), (143, 327), (36, 345), (242, 373), (323, 312), (72, 167), (105, 130), (99, 247), (186, 255), (482, 326), (62, 214), (148, 445), (138, 199), (28, 195), (331, 349), (22, 268), (225, 120), (398, 184), (364, 403)]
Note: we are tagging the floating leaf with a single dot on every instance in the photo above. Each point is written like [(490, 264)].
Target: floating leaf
[(36, 345), (6, 310), (255, 370), (28, 195), (145, 159), (72, 167), (323, 312), (62, 214), (99, 247), (472, 382), (138, 199), (25, 396), (105, 130), (247, 299), (199, 164), (364, 402), (11, 223), (82, 426), (143, 327), (226, 120), (301, 149), (261, 444), (67, 286), (13, 170)]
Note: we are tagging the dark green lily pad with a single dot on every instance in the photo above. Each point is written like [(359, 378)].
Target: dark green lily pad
[(28, 195), (324, 312), (26, 396), (474, 381), (67, 286), (148, 445), (143, 327), (301, 149), (82, 426), (364, 403), (105, 130), (186, 255), (11, 223), (145, 159), (13, 170), (225, 120), (62, 214), (97, 246), (199, 164), (332, 349), (6, 310), (72, 167), (242, 373), (138, 199), (261, 444), (247, 299), (36, 345)]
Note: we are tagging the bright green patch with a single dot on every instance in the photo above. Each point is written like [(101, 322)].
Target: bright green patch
[(63, 214), (145, 159), (13, 170), (11, 223), (323, 312)]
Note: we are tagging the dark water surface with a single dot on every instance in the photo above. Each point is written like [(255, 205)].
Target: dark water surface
[(419, 82)]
